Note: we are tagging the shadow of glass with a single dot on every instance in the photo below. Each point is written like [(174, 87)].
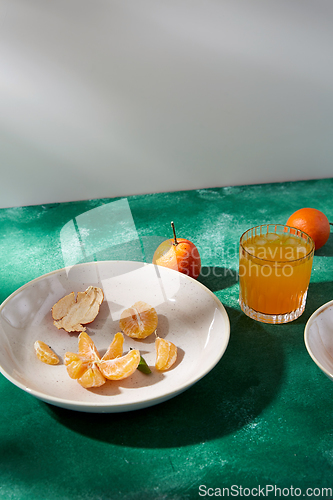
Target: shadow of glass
[(217, 278), (230, 397), (318, 295)]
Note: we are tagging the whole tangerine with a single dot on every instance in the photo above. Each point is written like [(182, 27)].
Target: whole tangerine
[(313, 222), (179, 254)]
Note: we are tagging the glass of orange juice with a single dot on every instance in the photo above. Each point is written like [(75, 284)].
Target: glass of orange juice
[(275, 264)]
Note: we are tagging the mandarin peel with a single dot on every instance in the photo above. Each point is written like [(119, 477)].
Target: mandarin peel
[(71, 314)]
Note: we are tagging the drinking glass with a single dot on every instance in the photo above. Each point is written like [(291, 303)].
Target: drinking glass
[(275, 264)]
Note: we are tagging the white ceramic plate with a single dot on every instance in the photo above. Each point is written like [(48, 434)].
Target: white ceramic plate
[(318, 337), (189, 315)]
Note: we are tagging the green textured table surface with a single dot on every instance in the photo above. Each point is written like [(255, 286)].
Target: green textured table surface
[(262, 417)]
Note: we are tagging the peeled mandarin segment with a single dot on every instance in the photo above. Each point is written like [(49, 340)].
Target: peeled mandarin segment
[(74, 365), (71, 356), (139, 321), (45, 353), (166, 354), (92, 377), (76, 369), (87, 348), (120, 368), (116, 347)]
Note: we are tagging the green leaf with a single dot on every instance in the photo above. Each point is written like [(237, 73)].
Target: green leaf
[(143, 367)]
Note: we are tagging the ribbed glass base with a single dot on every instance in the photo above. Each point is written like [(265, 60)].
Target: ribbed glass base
[(272, 318)]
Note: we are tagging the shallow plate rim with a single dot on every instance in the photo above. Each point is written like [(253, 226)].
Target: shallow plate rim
[(308, 324), (117, 407)]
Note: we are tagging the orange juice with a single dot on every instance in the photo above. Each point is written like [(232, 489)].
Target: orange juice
[(274, 272)]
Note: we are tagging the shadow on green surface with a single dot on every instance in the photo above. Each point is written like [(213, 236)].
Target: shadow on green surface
[(230, 397), (217, 278), (327, 249), (318, 295)]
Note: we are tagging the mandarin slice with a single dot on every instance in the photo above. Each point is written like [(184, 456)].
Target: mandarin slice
[(166, 354), (70, 357), (75, 365), (90, 370), (45, 353), (87, 348), (120, 368), (116, 347), (84, 366), (92, 377), (139, 321)]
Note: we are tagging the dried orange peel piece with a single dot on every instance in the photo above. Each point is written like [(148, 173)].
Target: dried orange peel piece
[(71, 314), (139, 321), (45, 353), (166, 354)]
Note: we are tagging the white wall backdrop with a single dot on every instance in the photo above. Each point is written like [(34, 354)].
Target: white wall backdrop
[(105, 98)]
